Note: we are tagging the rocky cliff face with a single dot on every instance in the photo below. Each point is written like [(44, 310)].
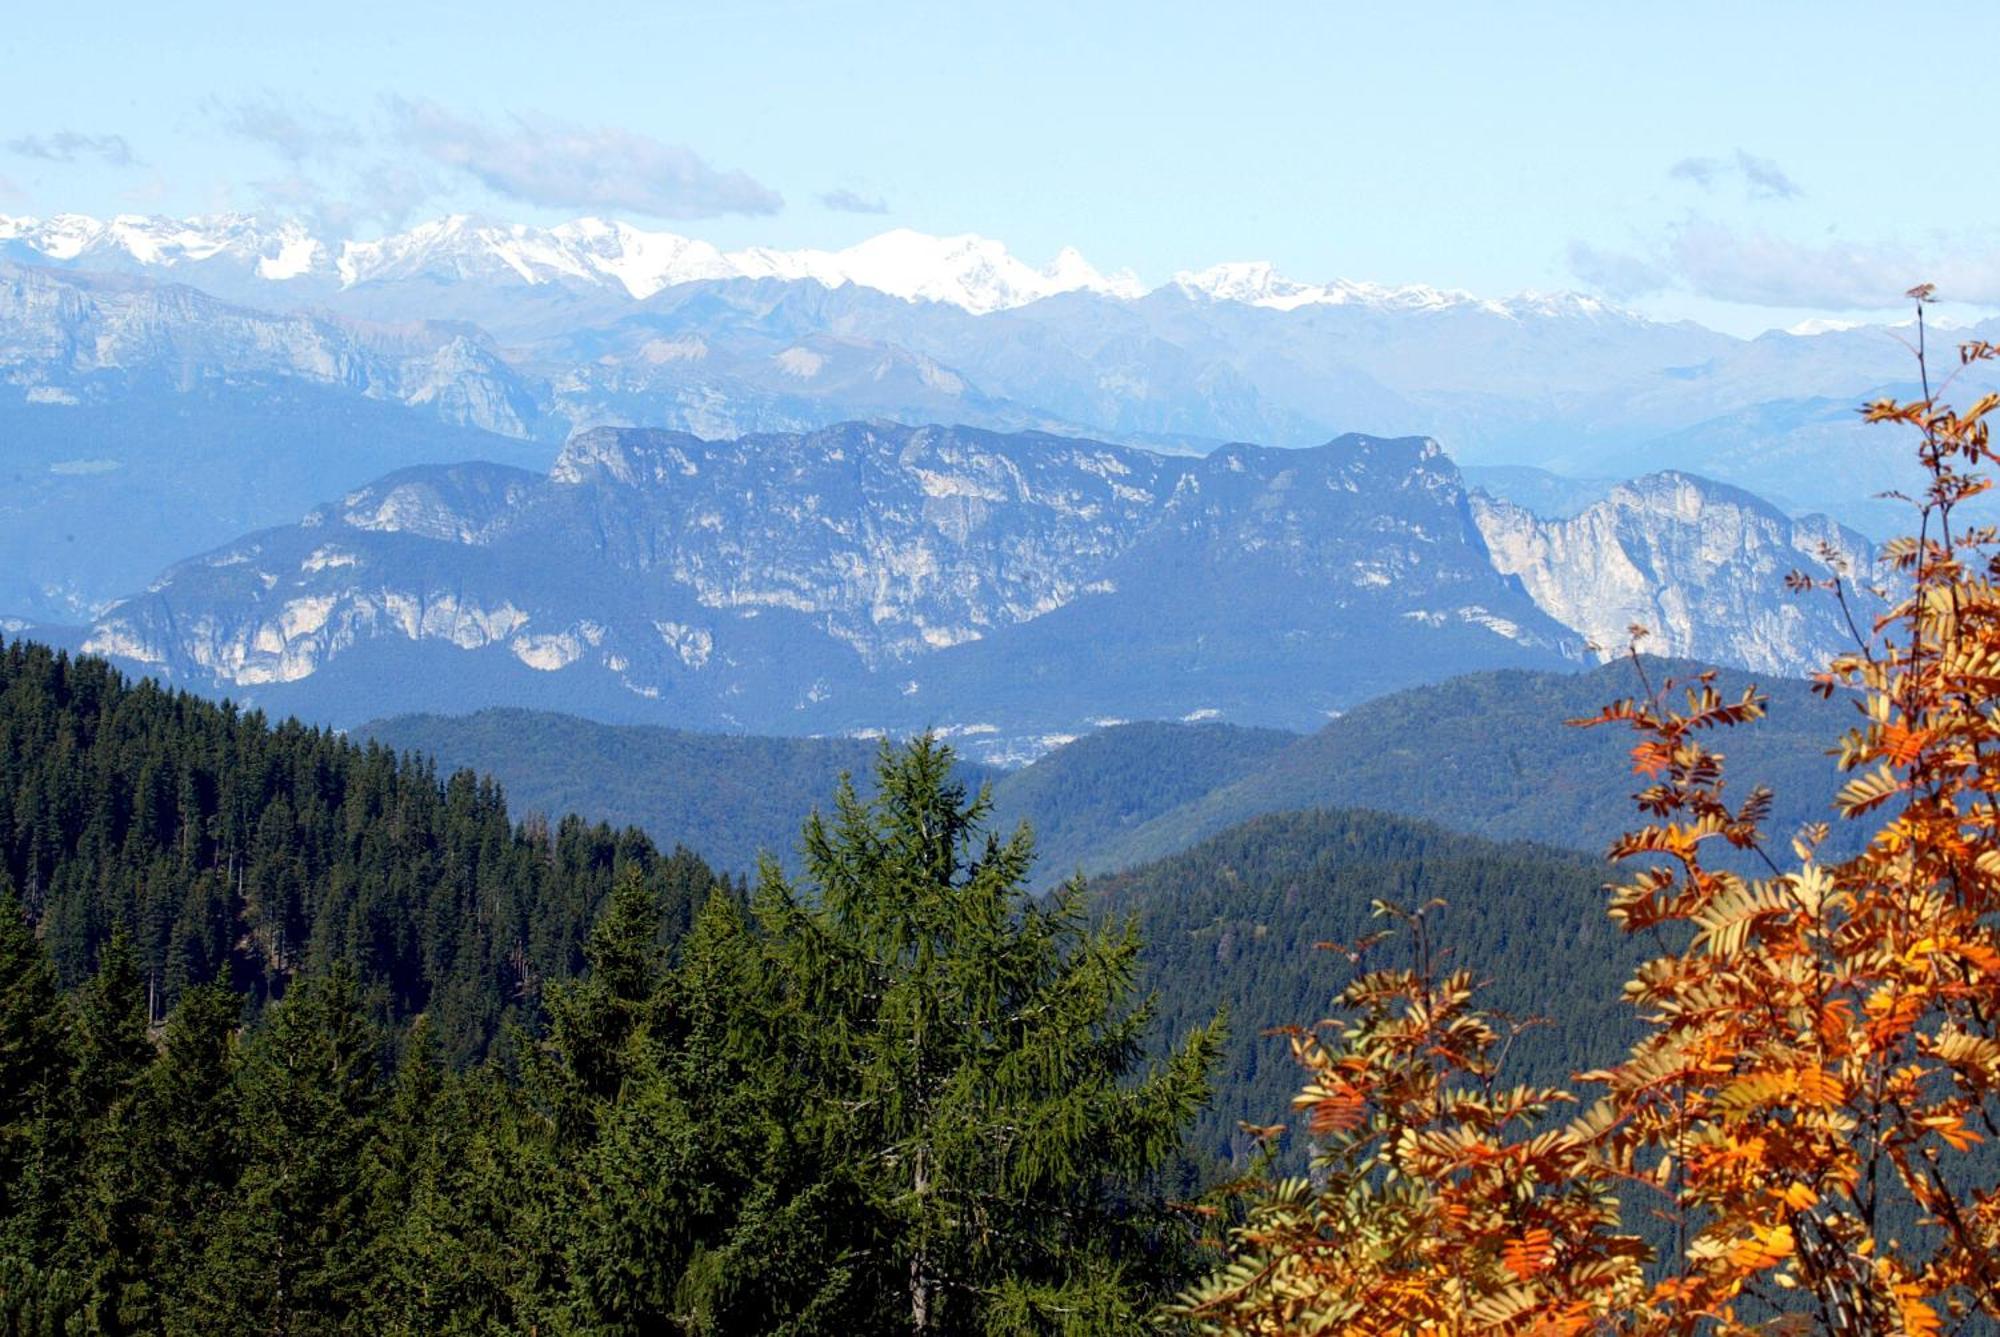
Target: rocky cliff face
[(1014, 588), (868, 575), (71, 338), (1700, 565)]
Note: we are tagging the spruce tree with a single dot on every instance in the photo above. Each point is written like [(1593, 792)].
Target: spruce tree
[(291, 1254), (112, 1044), (186, 1151), (112, 1227), (974, 1063)]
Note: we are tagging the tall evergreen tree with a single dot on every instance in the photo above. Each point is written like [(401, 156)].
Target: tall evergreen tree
[(292, 1253), (974, 1063), (112, 1044), (185, 1148)]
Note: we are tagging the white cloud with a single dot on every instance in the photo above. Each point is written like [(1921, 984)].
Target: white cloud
[(1616, 274), (291, 130), (1765, 178), (1754, 267), (558, 165)]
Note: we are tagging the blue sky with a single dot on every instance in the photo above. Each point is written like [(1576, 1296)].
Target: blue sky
[(1748, 166)]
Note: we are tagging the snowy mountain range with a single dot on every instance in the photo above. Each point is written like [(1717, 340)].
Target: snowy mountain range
[(971, 272)]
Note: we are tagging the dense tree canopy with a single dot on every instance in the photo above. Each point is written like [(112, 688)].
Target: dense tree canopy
[(229, 850)]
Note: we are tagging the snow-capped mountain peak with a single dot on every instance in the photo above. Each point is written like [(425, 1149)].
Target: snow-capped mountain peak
[(968, 270), (276, 250)]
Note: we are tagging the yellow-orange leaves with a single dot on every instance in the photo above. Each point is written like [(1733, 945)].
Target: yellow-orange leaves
[(1822, 1043), (1530, 1255)]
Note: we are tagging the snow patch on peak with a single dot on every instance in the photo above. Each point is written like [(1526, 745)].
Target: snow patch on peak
[(277, 250), (968, 270), (975, 273)]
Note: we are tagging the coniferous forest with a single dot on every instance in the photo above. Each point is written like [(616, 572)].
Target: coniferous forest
[(299, 1037)]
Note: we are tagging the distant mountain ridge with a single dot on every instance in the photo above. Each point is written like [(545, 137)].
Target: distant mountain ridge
[(163, 340), (867, 576), (1016, 589), (1487, 754)]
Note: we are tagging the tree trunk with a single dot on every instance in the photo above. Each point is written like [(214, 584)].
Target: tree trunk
[(920, 1280)]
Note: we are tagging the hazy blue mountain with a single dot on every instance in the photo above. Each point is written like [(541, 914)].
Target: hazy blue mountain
[(143, 423), (1543, 492), (1017, 589)]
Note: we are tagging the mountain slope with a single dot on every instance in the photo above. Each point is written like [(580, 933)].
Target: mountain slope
[(1492, 754), (1700, 565), (730, 798), (234, 851), (1487, 754), (868, 576), (1233, 923), (145, 423), (1084, 795)]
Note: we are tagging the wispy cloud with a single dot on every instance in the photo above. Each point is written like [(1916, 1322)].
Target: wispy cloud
[(1619, 275), (1765, 178), (559, 165), (1761, 178), (849, 202), (69, 145), (293, 131), (1758, 268)]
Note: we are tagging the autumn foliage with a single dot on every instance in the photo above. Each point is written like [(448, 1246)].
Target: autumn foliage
[(1800, 1140)]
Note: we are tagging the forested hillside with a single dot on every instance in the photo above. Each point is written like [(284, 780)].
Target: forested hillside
[(234, 851), (1493, 754), (252, 975), (1489, 754), (898, 1093), (734, 797), (1091, 794), (1233, 923)]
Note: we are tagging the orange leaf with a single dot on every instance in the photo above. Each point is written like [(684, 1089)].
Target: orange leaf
[(1340, 1110), (1530, 1255)]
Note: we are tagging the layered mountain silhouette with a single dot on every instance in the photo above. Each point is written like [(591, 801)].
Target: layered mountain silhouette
[(1014, 589)]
